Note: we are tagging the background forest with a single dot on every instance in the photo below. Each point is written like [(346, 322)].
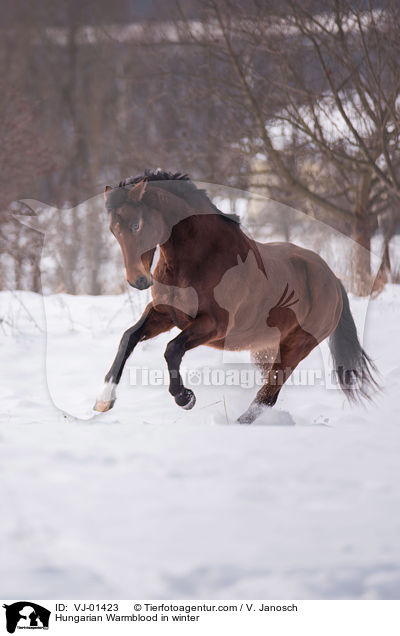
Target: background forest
[(296, 101)]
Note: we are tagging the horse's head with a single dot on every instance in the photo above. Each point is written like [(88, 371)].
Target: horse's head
[(138, 227)]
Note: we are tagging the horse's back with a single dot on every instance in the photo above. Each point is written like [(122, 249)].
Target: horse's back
[(284, 251)]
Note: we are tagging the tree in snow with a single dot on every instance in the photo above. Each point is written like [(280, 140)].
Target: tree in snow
[(316, 90)]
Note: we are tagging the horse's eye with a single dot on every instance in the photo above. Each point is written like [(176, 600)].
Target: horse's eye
[(135, 226)]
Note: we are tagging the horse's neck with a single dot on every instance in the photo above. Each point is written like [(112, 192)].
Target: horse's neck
[(195, 232), (204, 238), (181, 235), (181, 227), (173, 208)]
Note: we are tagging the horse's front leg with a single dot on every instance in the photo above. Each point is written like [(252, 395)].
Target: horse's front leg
[(199, 332), (151, 324)]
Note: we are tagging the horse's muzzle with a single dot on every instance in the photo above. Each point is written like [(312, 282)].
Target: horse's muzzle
[(142, 282)]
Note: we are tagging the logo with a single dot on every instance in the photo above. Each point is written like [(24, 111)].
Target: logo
[(26, 615)]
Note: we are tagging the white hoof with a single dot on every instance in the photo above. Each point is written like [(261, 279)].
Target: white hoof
[(102, 407), (106, 399)]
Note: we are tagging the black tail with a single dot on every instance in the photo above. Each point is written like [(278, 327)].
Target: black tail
[(354, 368)]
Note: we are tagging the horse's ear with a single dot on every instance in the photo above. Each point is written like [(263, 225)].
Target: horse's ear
[(106, 191), (136, 193)]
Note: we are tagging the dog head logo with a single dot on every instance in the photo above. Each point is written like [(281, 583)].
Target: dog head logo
[(26, 615)]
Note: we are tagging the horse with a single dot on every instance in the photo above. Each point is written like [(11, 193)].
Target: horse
[(225, 290)]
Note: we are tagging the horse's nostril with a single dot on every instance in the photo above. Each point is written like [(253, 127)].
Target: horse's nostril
[(140, 283)]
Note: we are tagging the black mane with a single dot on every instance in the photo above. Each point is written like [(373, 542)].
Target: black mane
[(185, 188)]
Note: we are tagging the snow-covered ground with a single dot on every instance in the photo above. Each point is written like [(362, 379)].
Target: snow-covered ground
[(151, 501)]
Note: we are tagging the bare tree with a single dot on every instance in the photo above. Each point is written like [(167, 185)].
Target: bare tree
[(98, 97), (23, 156), (331, 77)]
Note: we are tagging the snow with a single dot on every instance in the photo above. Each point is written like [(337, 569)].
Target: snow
[(150, 501)]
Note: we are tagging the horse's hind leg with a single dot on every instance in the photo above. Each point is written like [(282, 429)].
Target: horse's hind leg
[(264, 360), (292, 351), (151, 324)]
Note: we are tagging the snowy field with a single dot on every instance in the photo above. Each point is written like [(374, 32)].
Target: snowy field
[(150, 501)]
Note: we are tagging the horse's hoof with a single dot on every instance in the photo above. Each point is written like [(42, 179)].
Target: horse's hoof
[(102, 407), (186, 399), (251, 414), (245, 419), (106, 400)]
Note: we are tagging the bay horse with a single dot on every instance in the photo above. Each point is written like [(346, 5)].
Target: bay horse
[(225, 290)]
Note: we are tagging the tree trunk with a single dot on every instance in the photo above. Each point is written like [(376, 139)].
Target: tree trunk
[(385, 268), (36, 280), (362, 281)]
